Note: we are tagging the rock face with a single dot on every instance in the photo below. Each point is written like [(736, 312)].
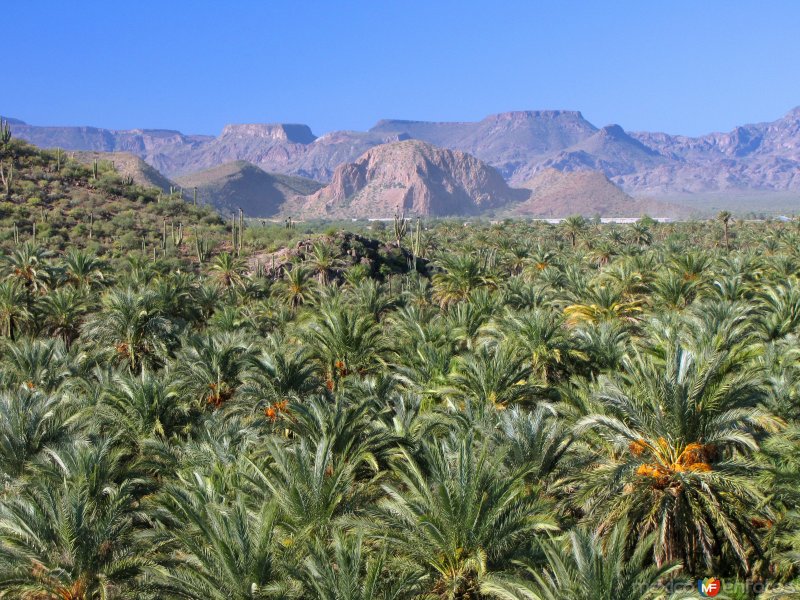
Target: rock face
[(560, 194), (507, 141), (239, 184), (348, 249), (414, 177)]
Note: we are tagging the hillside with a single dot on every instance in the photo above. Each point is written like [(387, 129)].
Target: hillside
[(560, 194), (127, 165), (240, 184), (58, 201), (414, 177)]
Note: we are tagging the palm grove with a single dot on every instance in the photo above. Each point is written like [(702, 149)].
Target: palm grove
[(535, 411)]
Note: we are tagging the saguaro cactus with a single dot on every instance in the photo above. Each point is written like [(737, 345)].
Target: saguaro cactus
[(7, 178), (201, 246), (177, 235), (400, 227), (5, 132), (416, 242)]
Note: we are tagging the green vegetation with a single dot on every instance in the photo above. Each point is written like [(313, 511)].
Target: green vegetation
[(512, 410)]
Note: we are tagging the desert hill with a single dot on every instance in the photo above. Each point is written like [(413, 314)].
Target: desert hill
[(560, 194), (240, 184), (127, 165), (414, 177)]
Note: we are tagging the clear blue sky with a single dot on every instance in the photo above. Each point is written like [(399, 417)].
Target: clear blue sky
[(679, 66)]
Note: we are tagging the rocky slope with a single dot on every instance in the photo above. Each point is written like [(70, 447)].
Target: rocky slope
[(507, 141), (240, 184), (127, 165), (415, 177), (560, 194)]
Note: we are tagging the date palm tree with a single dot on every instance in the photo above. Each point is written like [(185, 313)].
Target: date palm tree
[(348, 569), (312, 488), (673, 441), (60, 538), (142, 406), (211, 368), (495, 377), (27, 264), (460, 516), (460, 274), (13, 310), (725, 217), (574, 226), (130, 325), (83, 269), (542, 336), (345, 343), (214, 547), (322, 261), (32, 424), (297, 287), (276, 376), (35, 363), (585, 566), (599, 303), (227, 269), (63, 311)]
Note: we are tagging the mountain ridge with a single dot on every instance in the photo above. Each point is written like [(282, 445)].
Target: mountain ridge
[(762, 156)]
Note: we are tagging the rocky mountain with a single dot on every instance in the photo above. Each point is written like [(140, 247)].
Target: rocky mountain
[(763, 156), (160, 148), (240, 184), (412, 177), (560, 194), (507, 141)]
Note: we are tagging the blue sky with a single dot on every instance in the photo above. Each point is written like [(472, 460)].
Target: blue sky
[(679, 66)]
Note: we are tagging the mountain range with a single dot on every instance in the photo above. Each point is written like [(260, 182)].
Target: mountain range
[(545, 163), (763, 156)]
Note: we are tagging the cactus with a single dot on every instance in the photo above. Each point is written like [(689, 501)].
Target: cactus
[(201, 246), (416, 242), (5, 132), (164, 238), (194, 195), (7, 178), (241, 230), (16, 234), (94, 168), (33, 232), (400, 227), (177, 236), (58, 160), (127, 180), (91, 224)]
